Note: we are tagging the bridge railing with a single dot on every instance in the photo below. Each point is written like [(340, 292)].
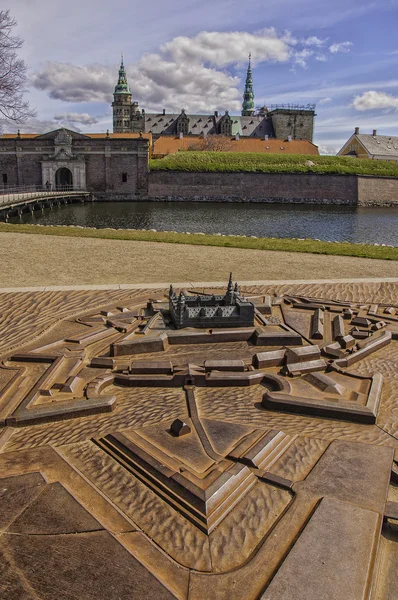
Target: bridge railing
[(27, 192)]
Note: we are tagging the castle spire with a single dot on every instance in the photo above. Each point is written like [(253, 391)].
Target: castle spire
[(122, 86), (248, 95)]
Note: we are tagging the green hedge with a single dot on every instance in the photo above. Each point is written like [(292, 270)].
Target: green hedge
[(271, 163)]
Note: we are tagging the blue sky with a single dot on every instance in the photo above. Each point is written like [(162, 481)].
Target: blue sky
[(192, 54)]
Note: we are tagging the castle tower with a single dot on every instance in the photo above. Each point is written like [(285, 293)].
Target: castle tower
[(229, 296), (248, 95), (181, 308), (122, 103)]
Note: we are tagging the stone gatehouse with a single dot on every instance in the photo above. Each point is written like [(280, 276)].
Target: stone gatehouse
[(102, 163)]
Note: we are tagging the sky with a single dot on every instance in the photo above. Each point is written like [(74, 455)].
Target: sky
[(192, 54)]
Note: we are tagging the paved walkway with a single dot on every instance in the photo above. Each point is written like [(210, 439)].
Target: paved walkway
[(39, 260)]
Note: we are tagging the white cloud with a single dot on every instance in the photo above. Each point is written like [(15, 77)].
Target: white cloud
[(328, 149), (300, 57), (71, 83), (186, 72), (313, 41), (325, 101), (224, 48), (35, 126), (340, 47), (195, 73), (372, 100), (321, 57), (83, 118)]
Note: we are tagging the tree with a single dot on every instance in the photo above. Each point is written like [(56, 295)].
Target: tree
[(13, 77)]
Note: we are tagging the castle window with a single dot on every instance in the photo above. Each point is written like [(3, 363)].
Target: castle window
[(124, 177), (226, 126), (5, 178), (182, 125)]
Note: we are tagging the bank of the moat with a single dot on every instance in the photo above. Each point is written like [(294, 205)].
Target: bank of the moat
[(340, 223)]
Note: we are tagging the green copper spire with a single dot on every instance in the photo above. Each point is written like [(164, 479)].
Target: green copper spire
[(248, 96), (122, 86)]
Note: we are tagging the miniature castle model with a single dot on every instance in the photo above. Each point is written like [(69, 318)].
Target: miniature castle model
[(204, 310)]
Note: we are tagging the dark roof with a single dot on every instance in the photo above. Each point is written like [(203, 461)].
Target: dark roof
[(385, 145), (164, 124)]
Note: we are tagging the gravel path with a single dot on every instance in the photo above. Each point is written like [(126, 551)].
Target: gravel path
[(37, 260)]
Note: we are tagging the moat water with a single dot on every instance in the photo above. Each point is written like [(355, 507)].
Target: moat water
[(333, 223)]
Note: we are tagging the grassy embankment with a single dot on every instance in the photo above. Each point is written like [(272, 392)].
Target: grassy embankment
[(271, 163), (284, 245)]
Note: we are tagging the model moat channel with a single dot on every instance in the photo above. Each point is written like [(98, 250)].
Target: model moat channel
[(333, 223)]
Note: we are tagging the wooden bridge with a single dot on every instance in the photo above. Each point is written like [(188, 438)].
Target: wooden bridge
[(14, 202)]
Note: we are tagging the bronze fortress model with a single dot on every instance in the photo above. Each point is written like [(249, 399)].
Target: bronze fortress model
[(211, 310), (149, 451)]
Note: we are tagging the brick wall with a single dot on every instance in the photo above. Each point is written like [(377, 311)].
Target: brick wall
[(8, 166), (107, 160), (261, 187), (377, 191), (298, 124)]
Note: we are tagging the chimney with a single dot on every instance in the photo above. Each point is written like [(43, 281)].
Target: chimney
[(216, 113), (374, 132), (356, 130), (164, 111)]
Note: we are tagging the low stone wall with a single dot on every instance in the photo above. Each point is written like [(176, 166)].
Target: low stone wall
[(301, 188), (377, 191)]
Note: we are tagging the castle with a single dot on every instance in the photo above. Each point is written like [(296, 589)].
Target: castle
[(291, 122), (203, 311)]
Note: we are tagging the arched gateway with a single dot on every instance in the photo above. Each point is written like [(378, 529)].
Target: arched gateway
[(64, 178)]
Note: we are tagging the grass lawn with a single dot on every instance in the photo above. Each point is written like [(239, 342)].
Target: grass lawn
[(229, 241), (271, 163)]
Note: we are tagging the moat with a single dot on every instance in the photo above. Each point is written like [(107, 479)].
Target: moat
[(333, 223)]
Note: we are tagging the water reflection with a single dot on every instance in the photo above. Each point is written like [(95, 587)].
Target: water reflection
[(340, 223)]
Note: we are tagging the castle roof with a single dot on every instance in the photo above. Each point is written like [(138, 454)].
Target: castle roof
[(126, 135), (170, 144), (164, 124)]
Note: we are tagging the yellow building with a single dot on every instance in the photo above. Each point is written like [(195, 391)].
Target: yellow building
[(371, 145)]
